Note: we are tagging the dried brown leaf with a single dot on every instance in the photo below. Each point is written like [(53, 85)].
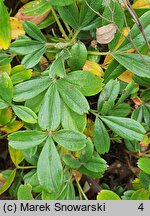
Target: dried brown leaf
[(105, 34)]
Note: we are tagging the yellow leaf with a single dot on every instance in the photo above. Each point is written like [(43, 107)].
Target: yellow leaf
[(108, 59), (16, 28), (141, 4), (16, 155), (5, 68), (145, 142), (63, 150), (93, 67), (24, 1), (44, 63), (125, 32), (136, 184), (8, 182), (12, 127), (126, 76), (5, 116), (89, 128), (2, 179)]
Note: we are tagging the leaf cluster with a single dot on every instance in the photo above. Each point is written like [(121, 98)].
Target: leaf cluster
[(56, 133)]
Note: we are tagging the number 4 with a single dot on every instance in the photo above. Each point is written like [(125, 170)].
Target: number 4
[(141, 207)]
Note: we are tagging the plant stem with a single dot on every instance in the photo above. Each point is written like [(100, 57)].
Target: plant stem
[(137, 21), (80, 190), (75, 35), (3, 136), (67, 27), (59, 25), (59, 45), (94, 112), (27, 167), (99, 53)]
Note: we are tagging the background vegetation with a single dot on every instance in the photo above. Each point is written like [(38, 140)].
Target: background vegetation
[(75, 99)]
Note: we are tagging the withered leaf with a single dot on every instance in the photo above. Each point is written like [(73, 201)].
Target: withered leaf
[(105, 34)]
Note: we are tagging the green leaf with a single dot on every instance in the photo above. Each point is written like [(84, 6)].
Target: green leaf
[(32, 59), (95, 23), (25, 46), (107, 106), (144, 165), (126, 92), (118, 18), (87, 152), (26, 139), (87, 172), (136, 35), (57, 68), (6, 88), (144, 180), (109, 94), (16, 155), (140, 194), (72, 120), (8, 182), (20, 74), (147, 115), (31, 155), (35, 10), (70, 15), (97, 165), (48, 21), (71, 140), (60, 2), (49, 196), (113, 70), (124, 127), (34, 182), (107, 195), (33, 31), (120, 110), (142, 81), (68, 192), (50, 111), (3, 104), (24, 192), (137, 114), (25, 114), (145, 95), (132, 146), (79, 56), (86, 82), (5, 36), (101, 137), (28, 175), (72, 97), (35, 102), (137, 64), (71, 162), (49, 168), (127, 194), (86, 13), (31, 88), (4, 58)]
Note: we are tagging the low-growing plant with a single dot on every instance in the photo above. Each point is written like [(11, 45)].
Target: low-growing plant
[(74, 81)]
